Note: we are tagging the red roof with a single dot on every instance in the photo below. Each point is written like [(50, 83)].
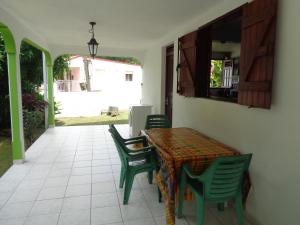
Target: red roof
[(105, 60)]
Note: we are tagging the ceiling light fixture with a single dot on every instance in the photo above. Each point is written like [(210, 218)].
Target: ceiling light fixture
[(93, 44)]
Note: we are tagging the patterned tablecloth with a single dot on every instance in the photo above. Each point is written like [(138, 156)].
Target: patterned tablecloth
[(176, 146)]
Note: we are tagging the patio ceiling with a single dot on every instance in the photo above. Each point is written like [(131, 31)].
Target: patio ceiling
[(131, 24)]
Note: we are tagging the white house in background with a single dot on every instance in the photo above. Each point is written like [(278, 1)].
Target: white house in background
[(107, 83), (101, 75)]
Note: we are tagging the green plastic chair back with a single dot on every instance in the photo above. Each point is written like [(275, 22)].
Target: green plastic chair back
[(118, 140), (132, 161), (223, 179), (157, 121), (221, 182)]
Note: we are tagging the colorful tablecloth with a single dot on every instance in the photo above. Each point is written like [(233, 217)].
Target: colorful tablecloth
[(176, 146)]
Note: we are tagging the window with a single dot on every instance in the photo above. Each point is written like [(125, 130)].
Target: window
[(231, 58), (128, 77), (225, 48)]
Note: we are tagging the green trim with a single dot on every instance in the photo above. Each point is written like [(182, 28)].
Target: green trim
[(10, 48), (51, 117)]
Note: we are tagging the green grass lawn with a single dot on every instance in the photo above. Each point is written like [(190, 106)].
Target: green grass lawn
[(122, 118), (5, 154)]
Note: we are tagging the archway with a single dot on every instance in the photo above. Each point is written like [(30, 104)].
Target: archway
[(96, 91), (10, 49), (32, 89), (6, 159), (36, 80), (48, 70)]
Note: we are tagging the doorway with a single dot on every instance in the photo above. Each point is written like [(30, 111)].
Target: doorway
[(169, 82)]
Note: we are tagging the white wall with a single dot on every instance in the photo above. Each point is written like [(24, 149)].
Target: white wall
[(152, 70), (271, 135)]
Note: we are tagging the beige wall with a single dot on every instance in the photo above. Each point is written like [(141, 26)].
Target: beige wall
[(152, 70), (273, 136)]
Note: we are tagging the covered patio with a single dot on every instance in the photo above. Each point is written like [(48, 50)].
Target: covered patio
[(69, 175), (69, 182)]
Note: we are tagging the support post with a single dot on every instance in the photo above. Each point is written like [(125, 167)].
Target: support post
[(51, 117), (45, 84), (16, 116), (14, 95)]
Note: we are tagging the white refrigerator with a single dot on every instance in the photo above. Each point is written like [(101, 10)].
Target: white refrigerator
[(137, 118)]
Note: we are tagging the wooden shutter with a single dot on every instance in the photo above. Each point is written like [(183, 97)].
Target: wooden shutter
[(257, 53), (187, 47), (203, 67)]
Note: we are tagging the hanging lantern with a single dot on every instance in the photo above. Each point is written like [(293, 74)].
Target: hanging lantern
[(93, 44)]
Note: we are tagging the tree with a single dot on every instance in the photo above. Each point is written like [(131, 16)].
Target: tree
[(4, 88), (216, 73), (121, 59), (31, 62), (61, 66)]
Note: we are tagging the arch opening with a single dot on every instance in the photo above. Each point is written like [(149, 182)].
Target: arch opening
[(96, 91), (34, 104), (6, 155), (9, 67)]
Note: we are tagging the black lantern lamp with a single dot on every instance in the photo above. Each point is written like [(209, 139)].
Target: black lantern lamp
[(93, 44)]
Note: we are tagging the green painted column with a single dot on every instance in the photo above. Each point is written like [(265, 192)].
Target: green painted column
[(51, 116), (18, 153), (14, 94)]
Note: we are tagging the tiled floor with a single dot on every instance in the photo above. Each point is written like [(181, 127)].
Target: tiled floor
[(71, 178)]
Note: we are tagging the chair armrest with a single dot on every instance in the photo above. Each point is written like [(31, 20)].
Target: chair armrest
[(141, 153), (186, 170), (142, 150), (135, 140)]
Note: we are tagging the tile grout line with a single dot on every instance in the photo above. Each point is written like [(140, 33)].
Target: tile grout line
[(59, 215), (153, 217), (44, 180), (119, 202), (33, 164), (14, 189), (91, 199)]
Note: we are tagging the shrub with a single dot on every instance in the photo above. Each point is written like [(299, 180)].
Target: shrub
[(31, 121), (4, 112), (33, 114), (33, 102), (57, 108)]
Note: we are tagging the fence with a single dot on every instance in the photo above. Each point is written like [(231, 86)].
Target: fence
[(70, 85)]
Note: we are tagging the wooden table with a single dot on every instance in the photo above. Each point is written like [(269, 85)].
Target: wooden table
[(176, 146)]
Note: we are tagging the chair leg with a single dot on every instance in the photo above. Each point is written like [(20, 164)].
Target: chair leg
[(150, 177), (221, 207), (128, 185), (181, 195), (159, 195), (122, 177), (239, 210), (199, 209)]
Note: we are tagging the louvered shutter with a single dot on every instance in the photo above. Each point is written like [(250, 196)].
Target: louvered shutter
[(187, 47), (257, 53)]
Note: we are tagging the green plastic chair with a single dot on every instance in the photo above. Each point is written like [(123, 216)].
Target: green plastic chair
[(157, 121), (221, 182), (133, 161)]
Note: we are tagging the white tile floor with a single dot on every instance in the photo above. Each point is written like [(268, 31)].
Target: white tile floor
[(71, 177)]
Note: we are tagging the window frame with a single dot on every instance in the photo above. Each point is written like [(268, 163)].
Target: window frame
[(256, 85)]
